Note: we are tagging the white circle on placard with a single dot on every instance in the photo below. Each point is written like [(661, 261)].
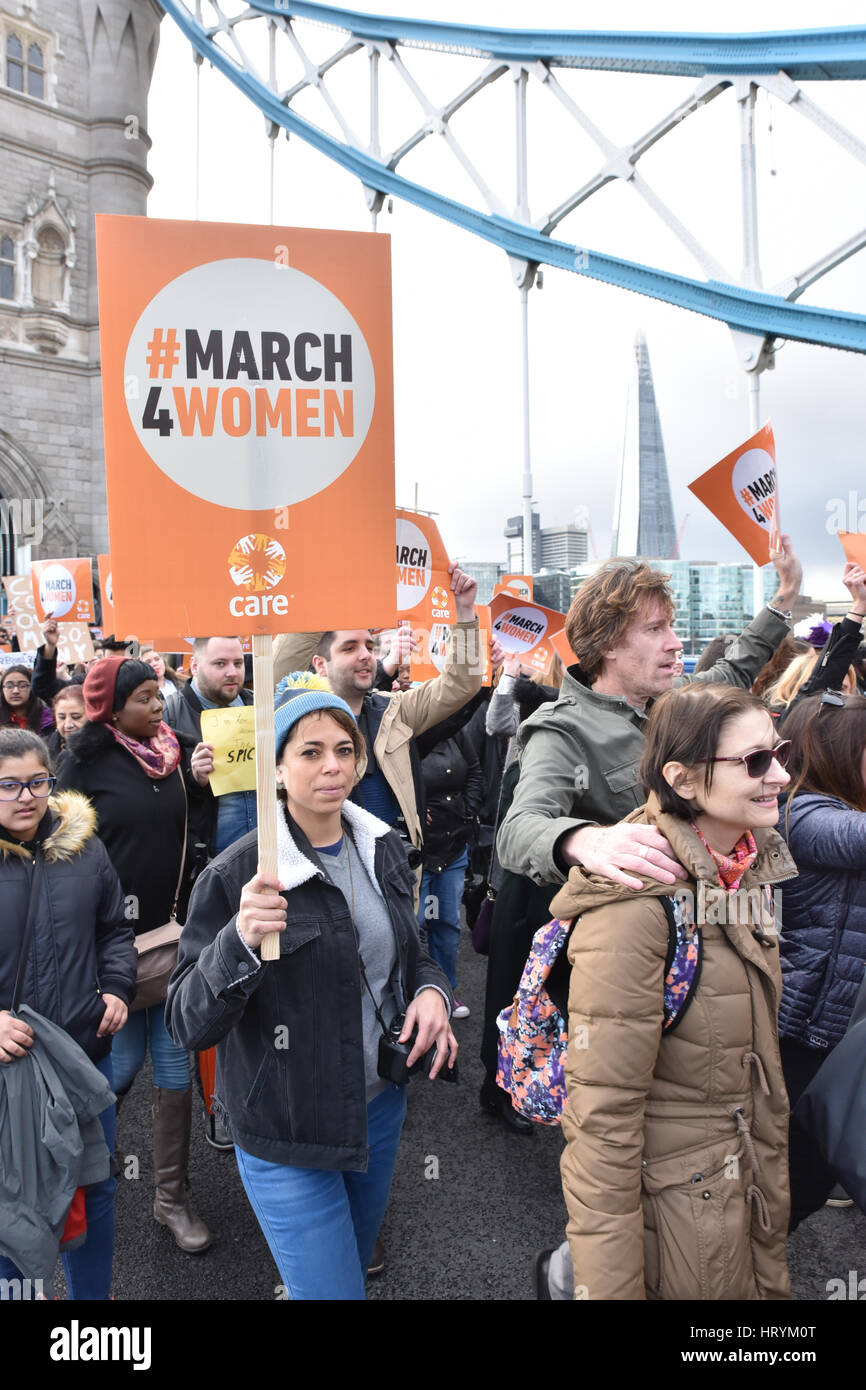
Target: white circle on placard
[(520, 628), (56, 590), (414, 568), (231, 414), (109, 588), (754, 484)]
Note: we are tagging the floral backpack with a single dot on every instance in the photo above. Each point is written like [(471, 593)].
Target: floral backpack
[(533, 1032)]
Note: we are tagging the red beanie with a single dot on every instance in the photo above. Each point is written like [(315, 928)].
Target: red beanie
[(99, 685)]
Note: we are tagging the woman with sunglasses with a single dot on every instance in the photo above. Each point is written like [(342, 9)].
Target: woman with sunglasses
[(82, 961), (675, 1170), (19, 707), (823, 909)]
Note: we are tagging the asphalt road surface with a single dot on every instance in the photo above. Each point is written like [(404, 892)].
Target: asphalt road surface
[(470, 1206)]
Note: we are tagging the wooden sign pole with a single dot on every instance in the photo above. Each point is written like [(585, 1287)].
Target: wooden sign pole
[(266, 781)]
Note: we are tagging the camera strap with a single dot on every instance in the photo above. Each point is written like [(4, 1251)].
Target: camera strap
[(350, 848)]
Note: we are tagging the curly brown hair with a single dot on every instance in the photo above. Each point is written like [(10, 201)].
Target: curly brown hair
[(608, 604)]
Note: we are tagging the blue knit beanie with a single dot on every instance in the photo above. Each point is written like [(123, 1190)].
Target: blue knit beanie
[(298, 703)]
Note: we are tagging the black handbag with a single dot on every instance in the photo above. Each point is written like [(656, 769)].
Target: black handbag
[(157, 948), (832, 1109)]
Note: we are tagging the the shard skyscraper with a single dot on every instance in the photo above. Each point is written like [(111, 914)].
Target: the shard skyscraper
[(643, 521)]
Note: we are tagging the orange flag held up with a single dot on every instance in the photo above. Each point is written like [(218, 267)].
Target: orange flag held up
[(249, 440), (63, 589), (424, 596), (742, 493), (106, 593), (854, 545), (525, 629), (519, 585)]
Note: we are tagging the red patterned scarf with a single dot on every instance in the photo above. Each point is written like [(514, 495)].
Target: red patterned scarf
[(158, 757), (732, 866)]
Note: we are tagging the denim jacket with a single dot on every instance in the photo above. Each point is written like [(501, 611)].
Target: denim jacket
[(290, 1081)]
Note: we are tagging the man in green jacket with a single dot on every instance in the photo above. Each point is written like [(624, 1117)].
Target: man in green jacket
[(579, 763)]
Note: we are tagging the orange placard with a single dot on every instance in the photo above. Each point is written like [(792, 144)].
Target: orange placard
[(482, 611), (525, 629), (559, 642), (63, 589), (742, 493), (854, 545), (73, 641), (424, 596), (248, 408), (519, 584), (106, 593)]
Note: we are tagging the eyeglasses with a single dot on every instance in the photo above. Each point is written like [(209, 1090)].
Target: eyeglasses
[(757, 764), (16, 685), (39, 787)]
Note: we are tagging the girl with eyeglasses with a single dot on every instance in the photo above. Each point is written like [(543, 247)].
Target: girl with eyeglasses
[(19, 707), (81, 968), (823, 909), (675, 1167)]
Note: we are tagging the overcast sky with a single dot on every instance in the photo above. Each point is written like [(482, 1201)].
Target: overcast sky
[(457, 314)]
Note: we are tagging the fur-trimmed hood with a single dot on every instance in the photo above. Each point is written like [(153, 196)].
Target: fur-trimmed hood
[(293, 866), (74, 823)]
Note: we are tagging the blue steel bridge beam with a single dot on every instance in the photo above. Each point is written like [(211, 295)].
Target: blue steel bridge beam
[(838, 53)]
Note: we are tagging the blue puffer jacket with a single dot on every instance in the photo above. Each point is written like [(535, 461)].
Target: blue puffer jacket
[(823, 919)]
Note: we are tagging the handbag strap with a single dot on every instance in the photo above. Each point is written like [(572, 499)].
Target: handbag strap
[(183, 850), (32, 903)]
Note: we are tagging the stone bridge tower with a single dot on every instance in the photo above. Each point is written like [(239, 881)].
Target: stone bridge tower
[(74, 79)]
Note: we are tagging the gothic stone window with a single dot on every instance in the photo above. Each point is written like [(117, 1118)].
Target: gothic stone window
[(25, 61), (7, 268), (48, 267)]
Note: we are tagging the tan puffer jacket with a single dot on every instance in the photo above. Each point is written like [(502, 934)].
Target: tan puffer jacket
[(675, 1172)]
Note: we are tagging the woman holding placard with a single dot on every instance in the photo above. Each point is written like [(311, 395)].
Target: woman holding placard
[(309, 1046), (126, 760)]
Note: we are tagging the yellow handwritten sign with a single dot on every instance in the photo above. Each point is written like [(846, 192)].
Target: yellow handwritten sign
[(233, 735)]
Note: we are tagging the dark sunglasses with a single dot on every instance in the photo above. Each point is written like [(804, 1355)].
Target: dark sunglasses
[(758, 763)]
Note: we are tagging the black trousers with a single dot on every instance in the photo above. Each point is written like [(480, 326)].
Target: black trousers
[(521, 908), (811, 1179)]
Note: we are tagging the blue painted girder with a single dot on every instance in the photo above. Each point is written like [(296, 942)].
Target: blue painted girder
[(748, 310)]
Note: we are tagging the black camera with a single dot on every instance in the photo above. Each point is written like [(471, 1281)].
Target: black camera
[(413, 854), (393, 1056)]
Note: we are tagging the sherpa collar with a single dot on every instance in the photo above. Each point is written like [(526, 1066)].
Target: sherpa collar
[(293, 866), (75, 823)]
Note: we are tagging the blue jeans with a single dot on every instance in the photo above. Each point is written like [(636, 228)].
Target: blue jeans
[(439, 911), (88, 1269), (321, 1226), (236, 816), (170, 1062)]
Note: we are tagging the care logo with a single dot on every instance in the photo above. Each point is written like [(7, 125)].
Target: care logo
[(414, 569), (441, 602), (241, 361), (519, 629), (256, 564), (57, 590)]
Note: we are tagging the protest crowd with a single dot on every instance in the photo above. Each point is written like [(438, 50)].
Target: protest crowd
[(666, 873)]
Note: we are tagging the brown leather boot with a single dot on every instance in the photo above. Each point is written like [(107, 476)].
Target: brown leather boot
[(172, 1115)]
